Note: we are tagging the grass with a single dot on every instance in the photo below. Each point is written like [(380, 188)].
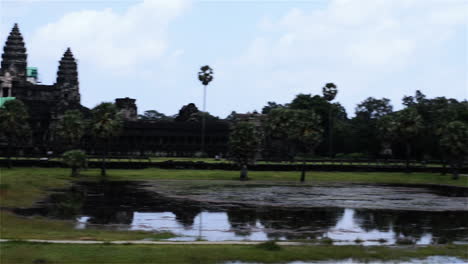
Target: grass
[(17, 227), (22, 252), (298, 161), (21, 187)]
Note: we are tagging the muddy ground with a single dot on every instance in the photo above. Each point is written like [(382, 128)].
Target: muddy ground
[(342, 195)]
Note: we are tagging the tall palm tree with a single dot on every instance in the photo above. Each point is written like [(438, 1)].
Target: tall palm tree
[(409, 125), (71, 128), (205, 75), (106, 123), (14, 124), (454, 142), (329, 93)]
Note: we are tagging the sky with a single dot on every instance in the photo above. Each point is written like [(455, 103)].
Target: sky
[(260, 51)]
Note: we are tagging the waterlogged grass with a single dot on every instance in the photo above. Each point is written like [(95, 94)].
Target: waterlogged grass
[(22, 252), (23, 186), (17, 227)]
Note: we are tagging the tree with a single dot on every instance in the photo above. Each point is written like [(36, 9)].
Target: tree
[(270, 106), (329, 93), (454, 141), (372, 108), (14, 124), (71, 127), (244, 142), (205, 75), (300, 130), (386, 126), (364, 124), (106, 123), (75, 159), (409, 125), (153, 115)]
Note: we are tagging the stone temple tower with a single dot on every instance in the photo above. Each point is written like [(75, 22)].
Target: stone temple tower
[(13, 65), (67, 79), (14, 57)]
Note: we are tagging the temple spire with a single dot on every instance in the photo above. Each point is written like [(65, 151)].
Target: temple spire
[(67, 70), (14, 57)]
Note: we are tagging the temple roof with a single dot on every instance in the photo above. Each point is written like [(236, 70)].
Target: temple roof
[(67, 70), (14, 51)]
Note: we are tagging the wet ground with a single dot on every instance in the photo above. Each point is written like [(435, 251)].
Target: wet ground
[(216, 212), (344, 195), (431, 260)]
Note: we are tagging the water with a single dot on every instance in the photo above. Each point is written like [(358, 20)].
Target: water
[(125, 206)]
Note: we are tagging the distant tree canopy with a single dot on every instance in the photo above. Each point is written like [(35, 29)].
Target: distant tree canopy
[(71, 127), (153, 115), (376, 127), (14, 125), (190, 113)]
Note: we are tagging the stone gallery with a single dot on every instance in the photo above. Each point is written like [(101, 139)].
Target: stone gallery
[(47, 103)]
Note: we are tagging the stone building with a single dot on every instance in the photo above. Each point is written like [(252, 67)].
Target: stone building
[(46, 104)]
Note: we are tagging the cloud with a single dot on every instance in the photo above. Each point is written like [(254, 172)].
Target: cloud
[(112, 41), (357, 44)]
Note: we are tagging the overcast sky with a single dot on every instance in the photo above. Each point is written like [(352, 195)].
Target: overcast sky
[(260, 50)]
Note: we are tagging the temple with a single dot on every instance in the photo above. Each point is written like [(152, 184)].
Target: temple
[(47, 103)]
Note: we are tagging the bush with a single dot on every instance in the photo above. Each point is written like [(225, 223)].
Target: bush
[(75, 159), (269, 245)]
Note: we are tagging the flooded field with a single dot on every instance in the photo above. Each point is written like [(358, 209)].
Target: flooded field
[(222, 213)]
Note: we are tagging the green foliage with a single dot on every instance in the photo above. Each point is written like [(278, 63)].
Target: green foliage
[(408, 123), (75, 159), (14, 120), (71, 127), (329, 91), (454, 139), (387, 127), (244, 142), (300, 129), (270, 106), (154, 115), (205, 75), (106, 121), (14, 124), (372, 108)]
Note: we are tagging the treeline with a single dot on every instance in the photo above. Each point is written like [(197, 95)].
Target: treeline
[(425, 129)]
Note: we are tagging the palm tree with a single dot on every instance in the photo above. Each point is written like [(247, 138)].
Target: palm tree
[(106, 123), (454, 142), (329, 93), (14, 124), (205, 75), (409, 125), (75, 159), (71, 127)]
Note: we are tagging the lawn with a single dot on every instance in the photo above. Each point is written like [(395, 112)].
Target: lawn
[(22, 252)]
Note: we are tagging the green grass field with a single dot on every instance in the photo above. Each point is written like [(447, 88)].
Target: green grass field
[(21, 252), (343, 162)]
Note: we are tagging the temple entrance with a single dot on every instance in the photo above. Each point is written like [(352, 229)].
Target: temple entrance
[(5, 92)]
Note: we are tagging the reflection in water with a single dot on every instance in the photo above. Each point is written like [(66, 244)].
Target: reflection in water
[(117, 205)]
